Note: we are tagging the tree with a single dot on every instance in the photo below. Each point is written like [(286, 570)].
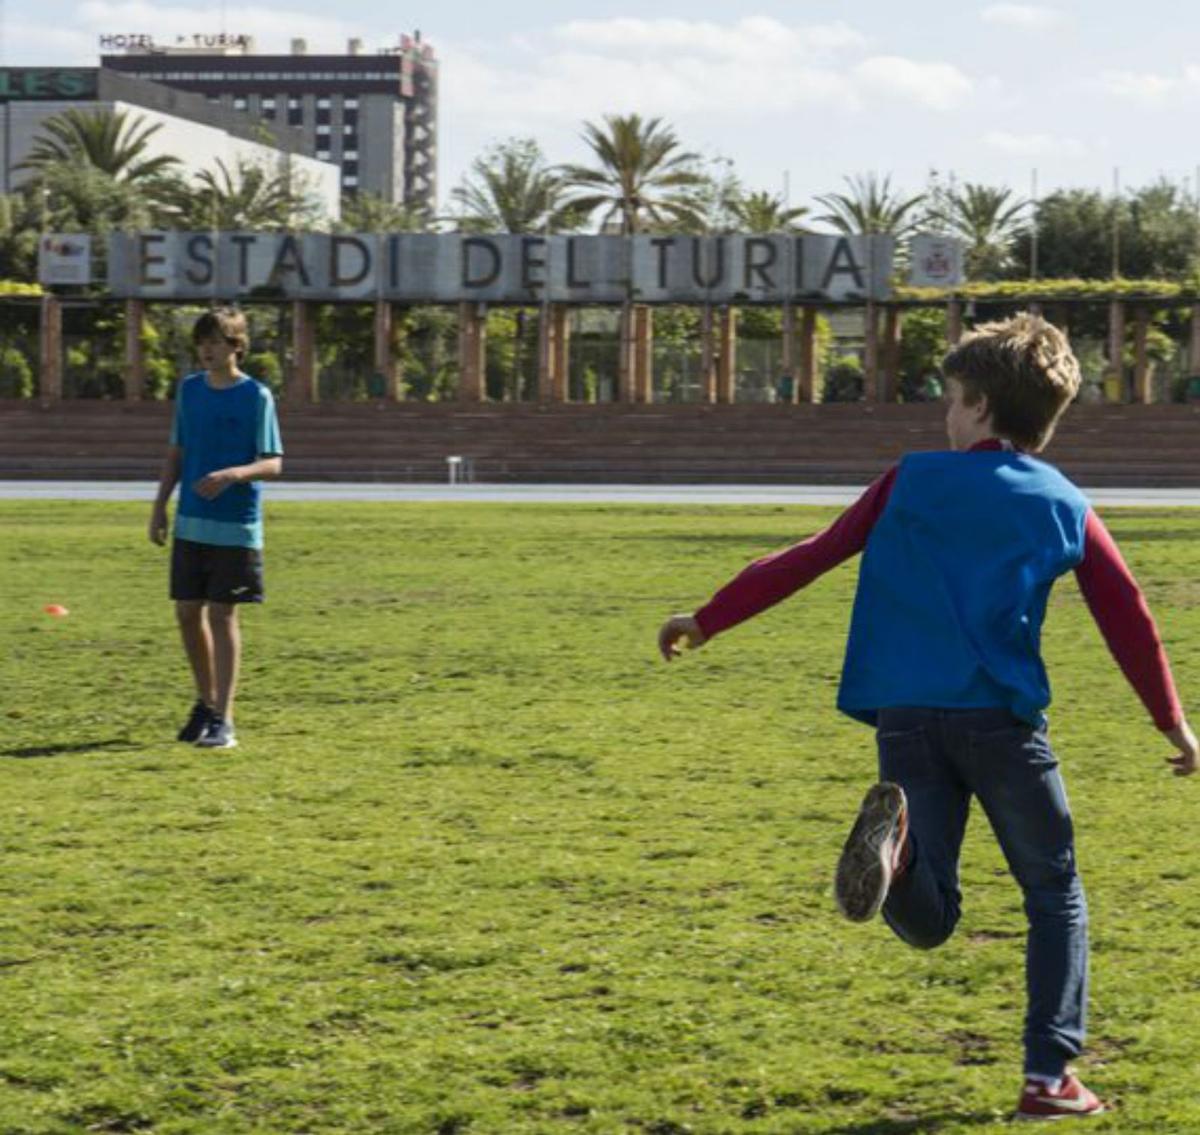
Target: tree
[(642, 175), (511, 189), (110, 142), (871, 207), (989, 220), (764, 212), (248, 196), (1156, 228), (370, 213)]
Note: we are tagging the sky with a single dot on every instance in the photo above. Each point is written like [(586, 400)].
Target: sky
[(797, 96)]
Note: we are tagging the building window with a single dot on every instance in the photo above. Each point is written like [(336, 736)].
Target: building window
[(350, 168), (350, 155), (239, 102), (295, 112), (323, 132), (322, 155), (350, 102), (323, 103), (350, 181), (323, 113), (268, 107), (350, 129)]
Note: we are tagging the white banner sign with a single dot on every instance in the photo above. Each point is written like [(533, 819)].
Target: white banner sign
[(935, 261), (65, 258)]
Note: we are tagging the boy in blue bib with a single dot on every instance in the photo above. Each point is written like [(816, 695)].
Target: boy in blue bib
[(224, 440), (959, 552)]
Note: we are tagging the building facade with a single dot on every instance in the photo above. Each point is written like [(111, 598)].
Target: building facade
[(191, 129), (373, 115)]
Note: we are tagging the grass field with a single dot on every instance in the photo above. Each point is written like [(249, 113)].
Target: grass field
[(483, 864)]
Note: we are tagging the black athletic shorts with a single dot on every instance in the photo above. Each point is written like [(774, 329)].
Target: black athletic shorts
[(216, 572)]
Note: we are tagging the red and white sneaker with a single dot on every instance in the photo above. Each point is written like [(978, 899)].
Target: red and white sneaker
[(1071, 1101), (875, 852)]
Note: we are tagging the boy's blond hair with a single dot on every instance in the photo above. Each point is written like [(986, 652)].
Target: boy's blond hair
[(226, 323), (1025, 369)]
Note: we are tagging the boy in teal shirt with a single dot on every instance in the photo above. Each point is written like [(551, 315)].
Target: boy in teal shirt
[(224, 440)]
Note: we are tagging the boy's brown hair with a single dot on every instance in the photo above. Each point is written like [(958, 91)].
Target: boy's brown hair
[(1025, 369), (226, 323)]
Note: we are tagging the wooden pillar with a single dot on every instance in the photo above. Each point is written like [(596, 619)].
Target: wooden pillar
[(727, 355), (871, 352), (385, 361), (546, 354), (50, 361), (708, 355), (1116, 347), (891, 353), (807, 386), (301, 386), (1194, 344), (643, 353), (560, 316), (135, 355), (472, 353), (626, 378), (1142, 391), (954, 322)]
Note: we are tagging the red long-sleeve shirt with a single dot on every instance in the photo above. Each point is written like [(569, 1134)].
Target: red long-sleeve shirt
[(1109, 589)]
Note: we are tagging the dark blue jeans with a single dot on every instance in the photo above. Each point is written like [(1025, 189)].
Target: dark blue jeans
[(943, 757)]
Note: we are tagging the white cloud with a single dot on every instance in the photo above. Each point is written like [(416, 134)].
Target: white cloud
[(1027, 17), (1034, 145), (1152, 90), (939, 86), (667, 67), (748, 38)]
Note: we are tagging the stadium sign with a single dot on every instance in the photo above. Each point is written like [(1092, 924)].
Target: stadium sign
[(513, 269)]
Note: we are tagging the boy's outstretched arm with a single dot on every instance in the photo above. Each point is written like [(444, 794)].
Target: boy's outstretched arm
[(1120, 611), (773, 578)]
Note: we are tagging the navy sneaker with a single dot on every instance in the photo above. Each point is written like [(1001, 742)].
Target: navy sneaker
[(195, 724), (218, 734), (875, 853)]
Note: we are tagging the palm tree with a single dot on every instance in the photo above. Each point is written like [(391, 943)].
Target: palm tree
[(511, 189), (248, 196), (764, 212), (642, 175), (871, 207), (110, 142), (989, 220), (370, 213)]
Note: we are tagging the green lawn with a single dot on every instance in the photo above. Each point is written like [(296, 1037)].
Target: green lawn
[(483, 864)]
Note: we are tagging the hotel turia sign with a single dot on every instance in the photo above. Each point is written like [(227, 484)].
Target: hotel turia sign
[(503, 269)]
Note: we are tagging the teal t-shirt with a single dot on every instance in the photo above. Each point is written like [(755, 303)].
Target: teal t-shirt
[(215, 428)]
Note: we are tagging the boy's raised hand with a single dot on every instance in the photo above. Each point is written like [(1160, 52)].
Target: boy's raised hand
[(1188, 759), (678, 632)]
